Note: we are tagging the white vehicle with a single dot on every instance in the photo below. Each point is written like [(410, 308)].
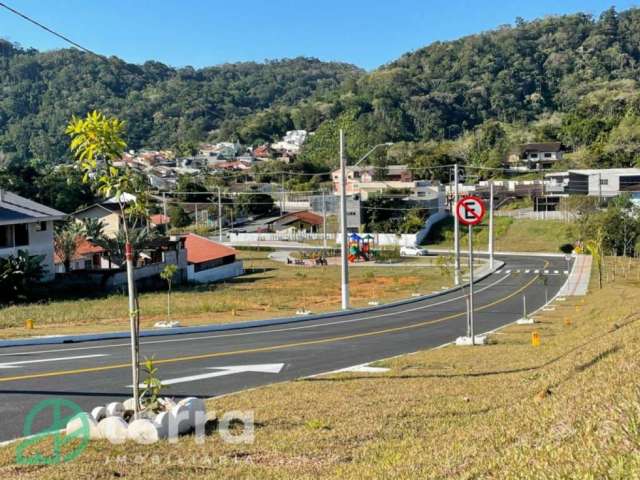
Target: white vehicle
[(412, 251)]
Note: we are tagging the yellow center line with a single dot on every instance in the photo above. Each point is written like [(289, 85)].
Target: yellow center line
[(273, 347)]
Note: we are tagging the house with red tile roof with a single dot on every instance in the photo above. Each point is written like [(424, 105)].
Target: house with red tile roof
[(88, 256), (210, 261)]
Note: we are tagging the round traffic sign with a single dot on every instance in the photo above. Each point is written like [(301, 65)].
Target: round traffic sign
[(470, 210)]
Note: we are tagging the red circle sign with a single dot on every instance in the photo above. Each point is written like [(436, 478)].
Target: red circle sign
[(470, 210)]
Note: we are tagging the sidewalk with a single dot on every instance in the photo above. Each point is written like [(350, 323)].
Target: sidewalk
[(578, 281)]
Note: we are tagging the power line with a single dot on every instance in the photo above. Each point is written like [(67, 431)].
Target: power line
[(47, 29)]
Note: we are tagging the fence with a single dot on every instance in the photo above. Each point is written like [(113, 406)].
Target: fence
[(530, 214)]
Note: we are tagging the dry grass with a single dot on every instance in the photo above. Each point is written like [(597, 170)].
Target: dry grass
[(270, 290), (567, 409)]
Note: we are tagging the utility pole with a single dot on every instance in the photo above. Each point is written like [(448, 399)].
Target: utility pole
[(599, 189), (219, 217), (164, 205), (456, 229), (324, 224), (491, 239), (133, 323), (343, 224)]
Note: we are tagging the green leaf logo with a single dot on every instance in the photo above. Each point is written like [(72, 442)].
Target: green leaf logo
[(59, 422)]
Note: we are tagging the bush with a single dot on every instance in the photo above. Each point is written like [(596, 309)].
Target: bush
[(567, 248)]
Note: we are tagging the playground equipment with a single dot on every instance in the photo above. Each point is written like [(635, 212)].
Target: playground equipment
[(360, 248)]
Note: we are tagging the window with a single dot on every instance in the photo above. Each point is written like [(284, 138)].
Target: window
[(6, 236), (533, 155), (547, 155), (41, 227), (604, 181), (21, 235)]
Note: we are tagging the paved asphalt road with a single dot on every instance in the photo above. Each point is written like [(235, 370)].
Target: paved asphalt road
[(95, 373)]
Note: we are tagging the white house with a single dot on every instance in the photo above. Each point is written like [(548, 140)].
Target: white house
[(606, 182), (210, 261), (27, 225), (535, 156)]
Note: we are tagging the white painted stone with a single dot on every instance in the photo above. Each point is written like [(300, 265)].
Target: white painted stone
[(180, 420), (114, 429), (99, 413), (143, 431), (129, 404), (374, 304), (162, 424), (115, 409), (526, 321), (76, 423), (167, 403), (466, 341)]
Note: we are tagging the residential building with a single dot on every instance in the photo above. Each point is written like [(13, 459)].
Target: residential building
[(107, 213), (304, 221), (291, 142), (209, 261), (608, 182), (27, 225), (88, 256), (535, 156), (358, 177)]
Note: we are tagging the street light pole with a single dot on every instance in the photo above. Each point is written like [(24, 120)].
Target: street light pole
[(456, 229), (343, 224), (324, 224)]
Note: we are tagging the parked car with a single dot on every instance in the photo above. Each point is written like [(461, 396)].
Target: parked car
[(412, 251)]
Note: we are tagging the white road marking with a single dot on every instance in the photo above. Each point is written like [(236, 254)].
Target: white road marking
[(224, 371), (18, 364), (261, 332)]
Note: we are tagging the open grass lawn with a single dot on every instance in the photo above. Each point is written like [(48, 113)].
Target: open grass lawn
[(270, 290), (567, 409), (511, 235)]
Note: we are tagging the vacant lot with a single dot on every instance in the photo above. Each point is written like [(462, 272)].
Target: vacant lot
[(567, 409), (511, 235), (271, 289)]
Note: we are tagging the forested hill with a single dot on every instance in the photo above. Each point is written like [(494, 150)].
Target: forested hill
[(163, 107), (571, 78)]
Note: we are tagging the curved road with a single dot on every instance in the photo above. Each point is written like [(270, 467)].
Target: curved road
[(95, 373)]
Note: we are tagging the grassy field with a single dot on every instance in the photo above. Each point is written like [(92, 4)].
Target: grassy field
[(270, 290), (569, 408), (515, 235)]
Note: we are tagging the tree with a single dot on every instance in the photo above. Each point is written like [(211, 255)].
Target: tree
[(179, 218), (97, 142), (93, 227), (17, 273), (65, 242), (167, 275)]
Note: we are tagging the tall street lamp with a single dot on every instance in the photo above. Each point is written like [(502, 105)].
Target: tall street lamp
[(343, 215)]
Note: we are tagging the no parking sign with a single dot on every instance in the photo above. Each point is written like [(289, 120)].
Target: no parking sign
[(470, 210)]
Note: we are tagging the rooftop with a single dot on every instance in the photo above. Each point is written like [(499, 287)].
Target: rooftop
[(201, 249), (17, 209)]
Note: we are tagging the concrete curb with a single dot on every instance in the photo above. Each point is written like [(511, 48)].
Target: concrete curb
[(65, 339)]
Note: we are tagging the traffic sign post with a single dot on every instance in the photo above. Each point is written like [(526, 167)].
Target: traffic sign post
[(470, 211)]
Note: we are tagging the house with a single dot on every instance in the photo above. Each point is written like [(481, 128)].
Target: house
[(358, 177), (88, 256), (209, 261), (108, 213), (303, 221), (263, 152), (27, 225), (291, 142), (535, 156), (159, 220), (332, 207)]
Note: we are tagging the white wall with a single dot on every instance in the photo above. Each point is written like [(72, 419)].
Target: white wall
[(40, 243), (215, 274)]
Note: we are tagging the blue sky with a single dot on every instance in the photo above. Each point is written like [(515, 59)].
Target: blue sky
[(200, 33)]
